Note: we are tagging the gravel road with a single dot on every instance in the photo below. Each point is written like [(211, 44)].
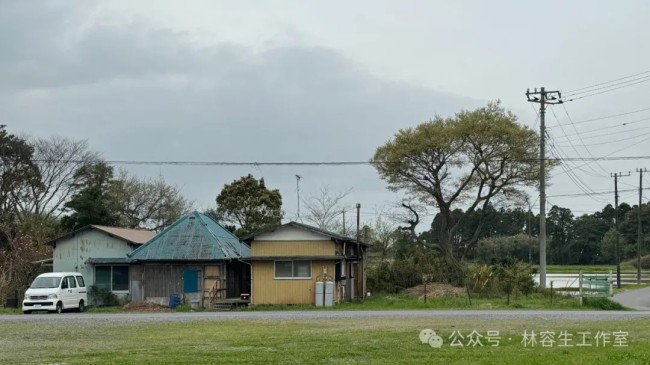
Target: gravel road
[(118, 318), (636, 299)]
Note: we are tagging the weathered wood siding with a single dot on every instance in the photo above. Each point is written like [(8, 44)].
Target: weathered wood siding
[(162, 280), (268, 290), (293, 248)]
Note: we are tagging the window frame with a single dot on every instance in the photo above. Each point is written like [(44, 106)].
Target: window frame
[(292, 277), (127, 290)]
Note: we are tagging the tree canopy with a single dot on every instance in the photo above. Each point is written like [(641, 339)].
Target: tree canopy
[(467, 161), (249, 205)]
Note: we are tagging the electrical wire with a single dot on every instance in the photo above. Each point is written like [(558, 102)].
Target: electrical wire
[(614, 141), (571, 144), (572, 175), (604, 91), (609, 85), (610, 116), (601, 135)]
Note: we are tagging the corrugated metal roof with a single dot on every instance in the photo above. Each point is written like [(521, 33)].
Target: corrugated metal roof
[(135, 236), (139, 236), (195, 236)]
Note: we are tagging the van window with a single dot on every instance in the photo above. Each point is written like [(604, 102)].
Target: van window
[(64, 283), (80, 281), (45, 282), (71, 282)]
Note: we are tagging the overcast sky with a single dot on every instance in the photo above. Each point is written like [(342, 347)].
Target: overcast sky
[(318, 81)]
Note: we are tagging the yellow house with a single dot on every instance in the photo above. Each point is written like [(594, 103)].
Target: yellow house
[(288, 260)]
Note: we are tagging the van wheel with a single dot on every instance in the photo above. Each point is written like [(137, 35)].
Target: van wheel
[(27, 312), (59, 307), (82, 306)]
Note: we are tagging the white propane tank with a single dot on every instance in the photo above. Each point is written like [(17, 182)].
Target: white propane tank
[(320, 286), (329, 293)]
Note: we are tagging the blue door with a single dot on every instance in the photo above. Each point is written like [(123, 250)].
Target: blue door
[(191, 281)]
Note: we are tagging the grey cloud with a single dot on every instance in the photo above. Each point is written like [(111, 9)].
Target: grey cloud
[(139, 92)]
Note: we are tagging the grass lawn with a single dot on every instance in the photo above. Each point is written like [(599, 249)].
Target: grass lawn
[(368, 341), (4, 310)]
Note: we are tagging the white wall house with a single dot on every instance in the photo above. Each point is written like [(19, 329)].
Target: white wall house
[(99, 253)]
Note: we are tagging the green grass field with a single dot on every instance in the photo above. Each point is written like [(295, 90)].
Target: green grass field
[(350, 341)]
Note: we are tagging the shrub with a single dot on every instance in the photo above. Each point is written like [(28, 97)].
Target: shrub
[(101, 297), (645, 262), (602, 303), (493, 250)]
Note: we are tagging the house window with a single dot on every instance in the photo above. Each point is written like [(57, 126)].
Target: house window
[(298, 269), (112, 277)]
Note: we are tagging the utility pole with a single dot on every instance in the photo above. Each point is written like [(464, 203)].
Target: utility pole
[(542, 97), (617, 253), (298, 177), (639, 233), (530, 258), (361, 270), (344, 222)]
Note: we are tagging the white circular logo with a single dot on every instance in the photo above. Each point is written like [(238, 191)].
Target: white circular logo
[(426, 334)]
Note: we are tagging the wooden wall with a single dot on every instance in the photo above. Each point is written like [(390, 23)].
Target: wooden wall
[(268, 290)]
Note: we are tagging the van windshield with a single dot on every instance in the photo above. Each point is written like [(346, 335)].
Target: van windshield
[(46, 282)]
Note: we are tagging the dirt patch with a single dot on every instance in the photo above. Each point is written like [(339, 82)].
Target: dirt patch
[(144, 307), (436, 290)]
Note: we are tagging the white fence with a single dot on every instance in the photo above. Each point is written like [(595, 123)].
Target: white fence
[(566, 281)]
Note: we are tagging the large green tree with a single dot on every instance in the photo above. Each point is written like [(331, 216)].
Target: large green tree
[(560, 227), (18, 172), (467, 160), (91, 204), (249, 205)]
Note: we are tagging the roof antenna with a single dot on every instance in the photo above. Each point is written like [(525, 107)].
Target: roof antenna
[(298, 177)]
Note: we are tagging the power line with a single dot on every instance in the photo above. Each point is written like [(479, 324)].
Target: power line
[(601, 135), (571, 144), (607, 82), (608, 116), (604, 91), (608, 157), (573, 176), (570, 195), (630, 82), (614, 141)]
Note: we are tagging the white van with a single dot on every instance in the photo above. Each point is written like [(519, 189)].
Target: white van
[(56, 291)]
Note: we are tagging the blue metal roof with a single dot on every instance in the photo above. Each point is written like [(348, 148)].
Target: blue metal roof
[(194, 237)]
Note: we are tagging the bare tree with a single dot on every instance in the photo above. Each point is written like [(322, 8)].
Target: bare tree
[(57, 159), (148, 203), (325, 211), (383, 235), (408, 214)]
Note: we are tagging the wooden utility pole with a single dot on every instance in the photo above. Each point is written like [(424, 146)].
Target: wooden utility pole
[(639, 234), (617, 253), (542, 97)]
